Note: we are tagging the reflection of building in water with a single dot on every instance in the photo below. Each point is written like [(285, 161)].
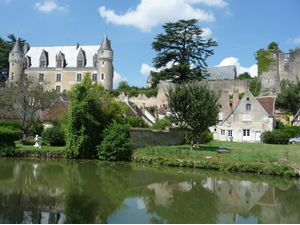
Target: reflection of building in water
[(164, 191)]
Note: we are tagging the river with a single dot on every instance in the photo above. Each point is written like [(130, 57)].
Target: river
[(83, 191)]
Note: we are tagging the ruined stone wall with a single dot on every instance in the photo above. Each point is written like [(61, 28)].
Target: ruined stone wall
[(141, 137)]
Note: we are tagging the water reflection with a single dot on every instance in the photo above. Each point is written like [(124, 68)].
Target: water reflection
[(61, 191)]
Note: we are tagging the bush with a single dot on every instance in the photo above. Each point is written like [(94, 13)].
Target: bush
[(11, 124), (37, 128), (280, 136), (162, 124), (54, 136), (135, 121), (7, 141), (204, 137), (28, 141), (116, 144)]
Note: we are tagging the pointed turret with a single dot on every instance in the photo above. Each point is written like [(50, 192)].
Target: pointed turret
[(105, 44), (16, 61), (105, 67)]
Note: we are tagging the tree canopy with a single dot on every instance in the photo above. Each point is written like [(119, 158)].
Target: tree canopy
[(244, 76), (193, 106), (181, 52)]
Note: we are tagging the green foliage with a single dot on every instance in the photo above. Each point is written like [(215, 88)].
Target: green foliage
[(244, 76), (136, 121), (204, 137), (182, 44), (28, 141), (11, 124), (289, 98), (193, 106), (116, 144), (86, 120), (37, 128), (255, 86), (280, 136), (7, 141), (134, 91), (279, 124), (162, 124), (54, 136), (5, 48), (264, 57)]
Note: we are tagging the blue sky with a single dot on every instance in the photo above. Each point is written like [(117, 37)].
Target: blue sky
[(240, 27)]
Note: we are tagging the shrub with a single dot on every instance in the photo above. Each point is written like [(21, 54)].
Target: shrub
[(11, 124), (280, 136), (204, 137), (28, 141), (37, 128), (116, 144), (54, 136), (135, 121), (7, 141), (162, 124)]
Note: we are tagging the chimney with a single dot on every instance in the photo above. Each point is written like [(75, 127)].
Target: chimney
[(77, 46)]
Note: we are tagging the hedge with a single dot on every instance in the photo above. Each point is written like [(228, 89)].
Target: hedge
[(7, 141), (280, 136)]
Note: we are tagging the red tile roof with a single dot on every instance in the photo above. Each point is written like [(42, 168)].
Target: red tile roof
[(268, 103)]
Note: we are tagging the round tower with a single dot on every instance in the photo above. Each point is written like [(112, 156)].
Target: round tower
[(105, 67), (16, 62)]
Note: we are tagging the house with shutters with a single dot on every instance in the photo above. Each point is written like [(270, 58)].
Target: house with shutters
[(245, 119)]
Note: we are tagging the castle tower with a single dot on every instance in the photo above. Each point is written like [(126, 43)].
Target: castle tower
[(105, 67), (16, 62)]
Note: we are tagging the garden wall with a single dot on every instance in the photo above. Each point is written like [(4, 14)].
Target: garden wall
[(141, 137)]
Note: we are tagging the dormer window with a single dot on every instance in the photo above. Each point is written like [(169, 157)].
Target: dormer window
[(81, 59), (44, 59), (95, 60), (60, 60), (27, 61)]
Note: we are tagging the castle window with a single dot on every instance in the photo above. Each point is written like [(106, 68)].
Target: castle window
[(58, 77), (248, 99), (41, 77), (248, 107), (102, 76), (94, 77), (57, 88), (12, 76), (81, 60), (229, 133), (78, 78), (44, 59), (102, 62), (60, 60)]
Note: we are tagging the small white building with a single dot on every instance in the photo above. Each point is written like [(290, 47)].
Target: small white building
[(248, 120)]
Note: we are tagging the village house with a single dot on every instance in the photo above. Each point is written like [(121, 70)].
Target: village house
[(248, 119)]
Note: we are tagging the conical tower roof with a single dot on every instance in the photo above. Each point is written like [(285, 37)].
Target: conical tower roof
[(105, 44), (17, 47)]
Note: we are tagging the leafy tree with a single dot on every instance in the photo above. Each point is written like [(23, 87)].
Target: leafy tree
[(264, 57), (193, 106), (255, 86), (24, 99), (116, 144), (289, 98), (244, 76), (134, 91), (183, 47)]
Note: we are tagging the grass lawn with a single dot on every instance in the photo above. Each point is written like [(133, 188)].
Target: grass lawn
[(240, 152), (29, 148)]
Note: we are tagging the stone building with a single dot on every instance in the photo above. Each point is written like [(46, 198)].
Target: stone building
[(245, 119), (63, 66), (286, 67)]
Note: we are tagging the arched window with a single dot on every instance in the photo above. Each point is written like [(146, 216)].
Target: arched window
[(81, 60), (44, 59), (60, 60), (248, 107)]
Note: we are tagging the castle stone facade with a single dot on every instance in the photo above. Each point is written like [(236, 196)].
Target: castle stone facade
[(61, 67), (285, 67)]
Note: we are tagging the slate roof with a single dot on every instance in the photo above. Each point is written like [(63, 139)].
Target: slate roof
[(17, 47), (268, 103), (71, 53), (105, 44), (222, 72)]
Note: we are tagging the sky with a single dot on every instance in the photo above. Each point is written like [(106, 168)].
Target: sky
[(240, 27)]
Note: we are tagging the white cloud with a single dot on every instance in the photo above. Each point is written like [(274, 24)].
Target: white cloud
[(206, 32), (252, 70), (151, 13), (48, 6), (146, 69), (295, 41), (118, 78)]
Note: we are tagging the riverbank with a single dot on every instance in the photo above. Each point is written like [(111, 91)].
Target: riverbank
[(44, 152), (279, 160)]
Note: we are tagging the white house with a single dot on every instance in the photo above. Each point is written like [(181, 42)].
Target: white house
[(248, 120)]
